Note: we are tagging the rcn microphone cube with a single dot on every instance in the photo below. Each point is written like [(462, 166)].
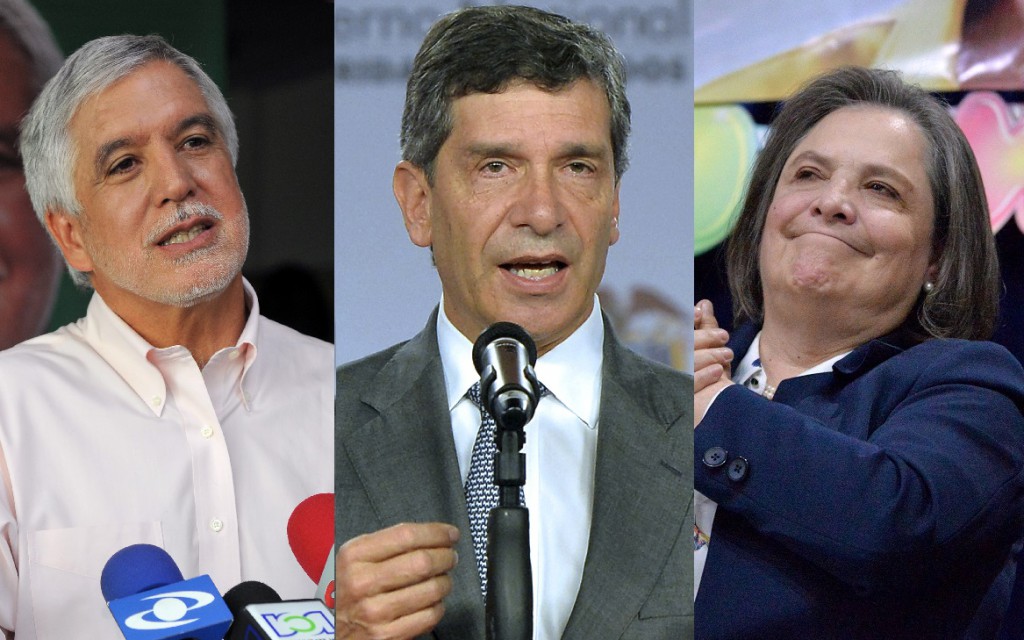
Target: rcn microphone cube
[(291, 619), (187, 609)]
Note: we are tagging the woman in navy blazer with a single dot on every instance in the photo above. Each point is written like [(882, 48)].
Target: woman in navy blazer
[(859, 466)]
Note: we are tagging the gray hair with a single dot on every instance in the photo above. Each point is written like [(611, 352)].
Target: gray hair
[(484, 50), (47, 149), (965, 300), (32, 35)]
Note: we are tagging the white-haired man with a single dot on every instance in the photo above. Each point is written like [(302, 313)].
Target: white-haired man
[(172, 414)]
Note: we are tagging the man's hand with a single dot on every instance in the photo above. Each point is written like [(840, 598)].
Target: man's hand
[(712, 360), (391, 584)]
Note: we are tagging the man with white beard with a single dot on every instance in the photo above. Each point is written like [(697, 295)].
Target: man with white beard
[(173, 413)]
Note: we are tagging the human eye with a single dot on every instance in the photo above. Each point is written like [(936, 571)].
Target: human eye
[(805, 173), (883, 189), (196, 142), (123, 165), (578, 167), (494, 168)]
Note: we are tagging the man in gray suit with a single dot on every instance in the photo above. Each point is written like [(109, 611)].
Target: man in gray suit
[(514, 144)]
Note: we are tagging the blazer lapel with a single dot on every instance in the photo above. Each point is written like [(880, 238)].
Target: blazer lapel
[(405, 457), (643, 488)]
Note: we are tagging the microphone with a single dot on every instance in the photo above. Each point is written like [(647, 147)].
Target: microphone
[(504, 355), (260, 614), (150, 600), (311, 538)]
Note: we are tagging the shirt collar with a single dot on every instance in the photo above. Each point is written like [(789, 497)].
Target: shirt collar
[(131, 356), (571, 371), (750, 364)]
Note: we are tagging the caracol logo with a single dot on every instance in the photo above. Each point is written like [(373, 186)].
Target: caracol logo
[(169, 610)]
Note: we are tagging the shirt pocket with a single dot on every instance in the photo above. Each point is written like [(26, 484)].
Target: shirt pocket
[(64, 577)]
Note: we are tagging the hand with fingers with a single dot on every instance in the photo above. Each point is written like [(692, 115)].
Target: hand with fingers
[(712, 360), (391, 583)]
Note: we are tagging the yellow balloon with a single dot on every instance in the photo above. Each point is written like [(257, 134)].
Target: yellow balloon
[(724, 145)]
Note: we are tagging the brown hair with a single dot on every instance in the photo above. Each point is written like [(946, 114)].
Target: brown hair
[(965, 300)]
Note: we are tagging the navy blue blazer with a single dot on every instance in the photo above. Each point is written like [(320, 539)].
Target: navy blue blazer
[(878, 500)]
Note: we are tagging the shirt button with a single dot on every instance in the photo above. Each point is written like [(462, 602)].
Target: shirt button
[(207, 431), (715, 457), (156, 401), (235, 353), (216, 525)]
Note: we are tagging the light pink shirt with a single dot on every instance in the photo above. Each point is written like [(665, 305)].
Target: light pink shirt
[(106, 441)]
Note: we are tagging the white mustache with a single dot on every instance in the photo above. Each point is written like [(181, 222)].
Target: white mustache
[(182, 213)]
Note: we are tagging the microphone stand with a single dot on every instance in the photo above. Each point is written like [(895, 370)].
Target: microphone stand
[(509, 605)]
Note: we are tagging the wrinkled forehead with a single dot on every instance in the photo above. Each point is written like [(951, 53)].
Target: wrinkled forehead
[(153, 99)]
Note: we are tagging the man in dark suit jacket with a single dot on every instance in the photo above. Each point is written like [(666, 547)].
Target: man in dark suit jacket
[(513, 142)]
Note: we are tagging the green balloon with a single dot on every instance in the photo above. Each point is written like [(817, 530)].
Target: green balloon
[(724, 145)]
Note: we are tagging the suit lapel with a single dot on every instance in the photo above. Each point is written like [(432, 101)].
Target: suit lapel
[(641, 495), (405, 458)]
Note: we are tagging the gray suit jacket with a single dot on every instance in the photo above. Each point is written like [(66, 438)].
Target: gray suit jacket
[(396, 463)]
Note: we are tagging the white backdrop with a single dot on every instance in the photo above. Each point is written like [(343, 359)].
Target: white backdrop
[(385, 286)]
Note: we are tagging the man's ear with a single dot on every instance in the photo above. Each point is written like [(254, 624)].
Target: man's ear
[(66, 229), (412, 191), (614, 236)]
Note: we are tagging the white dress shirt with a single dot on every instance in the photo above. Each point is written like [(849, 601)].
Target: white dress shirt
[(561, 450), (106, 441), (751, 375)]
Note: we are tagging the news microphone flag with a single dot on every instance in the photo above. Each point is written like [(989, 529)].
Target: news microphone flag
[(175, 609), (260, 614), (311, 538)]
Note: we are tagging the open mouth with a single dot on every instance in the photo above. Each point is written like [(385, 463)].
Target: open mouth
[(534, 271), (185, 235)]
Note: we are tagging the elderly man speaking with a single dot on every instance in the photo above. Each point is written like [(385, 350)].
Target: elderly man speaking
[(173, 413)]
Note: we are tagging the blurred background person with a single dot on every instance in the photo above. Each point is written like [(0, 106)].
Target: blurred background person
[(859, 446), (30, 265)]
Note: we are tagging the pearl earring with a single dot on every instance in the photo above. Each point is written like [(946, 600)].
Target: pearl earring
[(929, 287)]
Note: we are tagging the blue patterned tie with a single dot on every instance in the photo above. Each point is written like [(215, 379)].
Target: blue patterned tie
[(481, 492)]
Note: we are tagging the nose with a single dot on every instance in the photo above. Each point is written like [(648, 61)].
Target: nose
[(173, 181), (835, 202), (538, 206)]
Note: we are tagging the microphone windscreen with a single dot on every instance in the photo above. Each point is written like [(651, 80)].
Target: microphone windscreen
[(137, 568), (249, 592), (503, 330), (311, 533)]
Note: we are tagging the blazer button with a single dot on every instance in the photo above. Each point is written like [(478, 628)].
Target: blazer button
[(715, 457), (738, 469)]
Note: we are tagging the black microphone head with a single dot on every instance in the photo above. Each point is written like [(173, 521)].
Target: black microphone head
[(502, 330), (249, 592)]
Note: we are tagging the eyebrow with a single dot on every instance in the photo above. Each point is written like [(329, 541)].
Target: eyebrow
[(109, 148), (571, 150)]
